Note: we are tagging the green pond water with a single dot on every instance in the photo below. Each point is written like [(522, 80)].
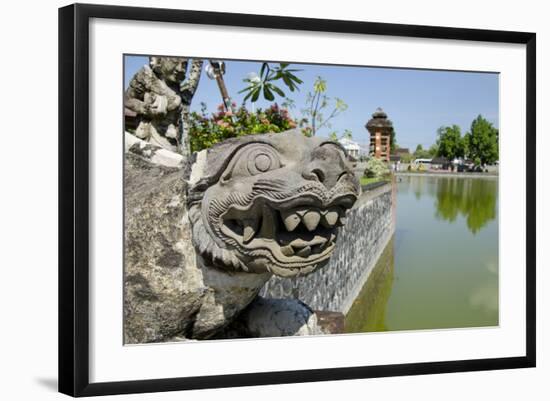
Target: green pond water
[(440, 270)]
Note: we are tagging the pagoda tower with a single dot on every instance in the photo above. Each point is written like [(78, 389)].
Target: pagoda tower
[(380, 129)]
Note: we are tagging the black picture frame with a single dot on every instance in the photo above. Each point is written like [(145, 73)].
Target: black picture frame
[(74, 194)]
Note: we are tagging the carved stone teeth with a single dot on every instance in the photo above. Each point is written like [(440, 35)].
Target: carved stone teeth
[(300, 243), (330, 218), (304, 252), (287, 250), (291, 219), (317, 248), (269, 223), (250, 226), (311, 219)]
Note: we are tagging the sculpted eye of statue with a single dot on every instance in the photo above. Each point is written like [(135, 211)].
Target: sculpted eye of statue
[(270, 202)]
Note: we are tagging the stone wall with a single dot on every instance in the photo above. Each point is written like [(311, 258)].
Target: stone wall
[(370, 225)]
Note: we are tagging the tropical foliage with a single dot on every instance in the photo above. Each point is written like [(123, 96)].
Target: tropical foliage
[(320, 109), (206, 130), (265, 83)]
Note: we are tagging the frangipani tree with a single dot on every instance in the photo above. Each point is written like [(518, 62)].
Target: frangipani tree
[(317, 103), (265, 83)]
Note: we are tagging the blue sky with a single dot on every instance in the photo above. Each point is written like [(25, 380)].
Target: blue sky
[(417, 101)]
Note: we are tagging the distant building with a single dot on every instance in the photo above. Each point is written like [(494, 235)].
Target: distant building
[(398, 154), (352, 147), (395, 158), (364, 152), (440, 163), (380, 128)]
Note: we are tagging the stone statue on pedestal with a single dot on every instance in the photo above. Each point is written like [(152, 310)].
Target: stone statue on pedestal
[(154, 97)]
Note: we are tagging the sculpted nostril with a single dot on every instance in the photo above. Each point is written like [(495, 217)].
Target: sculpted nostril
[(319, 174), (314, 174), (342, 175)]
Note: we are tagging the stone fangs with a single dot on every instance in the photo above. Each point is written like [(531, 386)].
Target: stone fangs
[(300, 231), (311, 218)]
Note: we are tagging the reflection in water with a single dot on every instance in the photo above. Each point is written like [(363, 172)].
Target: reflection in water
[(475, 199), (368, 312), (441, 268)]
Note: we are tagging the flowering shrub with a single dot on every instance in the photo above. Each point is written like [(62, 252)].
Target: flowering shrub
[(376, 168), (205, 130)]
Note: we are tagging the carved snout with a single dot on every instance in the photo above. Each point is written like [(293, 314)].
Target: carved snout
[(327, 166)]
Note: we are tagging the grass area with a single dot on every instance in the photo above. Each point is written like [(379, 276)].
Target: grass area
[(366, 180)]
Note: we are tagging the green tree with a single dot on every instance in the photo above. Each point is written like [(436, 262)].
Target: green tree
[(393, 142), (482, 142), (317, 103), (421, 153), (333, 136), (264, 82), (449, 142), (407, 158)]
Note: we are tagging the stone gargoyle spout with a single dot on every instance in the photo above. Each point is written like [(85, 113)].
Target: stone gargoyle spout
[(270, 202)]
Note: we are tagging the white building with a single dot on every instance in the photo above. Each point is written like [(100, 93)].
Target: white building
[(351, 147)]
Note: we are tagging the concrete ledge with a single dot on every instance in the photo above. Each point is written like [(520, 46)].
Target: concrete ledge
[(450, 175)]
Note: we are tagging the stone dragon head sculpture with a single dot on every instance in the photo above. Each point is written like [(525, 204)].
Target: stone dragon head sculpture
[(270, 202)]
